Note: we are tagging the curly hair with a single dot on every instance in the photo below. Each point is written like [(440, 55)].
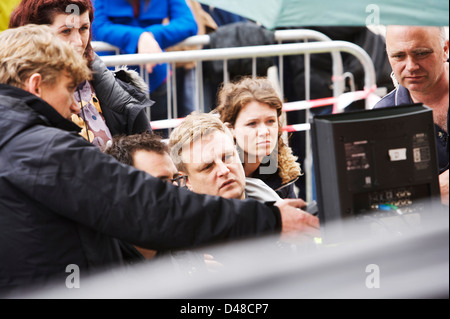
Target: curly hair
[(233, 97), (45, 11)]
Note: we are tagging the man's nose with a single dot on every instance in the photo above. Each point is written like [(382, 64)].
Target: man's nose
[(411, 64), (222, 169), (75, 107)]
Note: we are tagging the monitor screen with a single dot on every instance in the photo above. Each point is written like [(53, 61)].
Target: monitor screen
[(374, 164)]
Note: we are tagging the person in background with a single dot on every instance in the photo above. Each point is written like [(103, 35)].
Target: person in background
[(109, 104), (322, 83), (146, 152), (6, 7), (137, 26), (252, 109), (419, 60), (63, 202), (149, 153), (203, 149), (222, 17), (185, 71), (211, 78)]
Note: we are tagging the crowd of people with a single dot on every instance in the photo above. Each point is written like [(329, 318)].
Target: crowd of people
[(84, 179)]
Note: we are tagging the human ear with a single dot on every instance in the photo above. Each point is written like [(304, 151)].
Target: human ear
[(34, 84), (446, 47), (188, 182)]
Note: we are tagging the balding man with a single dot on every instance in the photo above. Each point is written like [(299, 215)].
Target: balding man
[(419, 60)]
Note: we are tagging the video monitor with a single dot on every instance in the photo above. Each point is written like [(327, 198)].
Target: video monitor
[(374, 164)]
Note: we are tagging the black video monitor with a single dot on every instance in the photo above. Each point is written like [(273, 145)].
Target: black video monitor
[(377, 163)]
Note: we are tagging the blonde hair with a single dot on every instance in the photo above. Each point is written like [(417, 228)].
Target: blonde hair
[(194, 126), (233, 97), (35, 49)]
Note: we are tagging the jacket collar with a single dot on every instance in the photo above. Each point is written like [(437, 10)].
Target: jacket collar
[(45, 110), (402, 96)]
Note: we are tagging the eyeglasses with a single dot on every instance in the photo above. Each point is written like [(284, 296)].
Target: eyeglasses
[(179, 181)]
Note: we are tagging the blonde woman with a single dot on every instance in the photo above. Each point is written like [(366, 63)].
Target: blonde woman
[(251, 108)]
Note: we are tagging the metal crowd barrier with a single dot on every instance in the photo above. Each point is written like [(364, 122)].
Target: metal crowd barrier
[(280, 37), (253, 52)]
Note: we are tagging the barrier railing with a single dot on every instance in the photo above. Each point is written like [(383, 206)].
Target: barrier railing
[(333, 47), (250, 52), (280, 37), (341, 102)]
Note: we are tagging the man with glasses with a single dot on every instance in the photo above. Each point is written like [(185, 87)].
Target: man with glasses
[(149, 153), (203, 149), (146, 152), (63, 202)]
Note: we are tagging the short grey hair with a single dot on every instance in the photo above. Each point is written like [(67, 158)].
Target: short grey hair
[(442, 36), (442, 33)]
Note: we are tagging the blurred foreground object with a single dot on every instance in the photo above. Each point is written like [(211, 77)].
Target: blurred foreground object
[(412, 263)]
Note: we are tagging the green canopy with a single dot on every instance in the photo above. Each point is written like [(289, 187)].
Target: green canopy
[(297, 13)]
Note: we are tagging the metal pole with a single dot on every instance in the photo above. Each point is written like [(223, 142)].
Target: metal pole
[(308, 151), (249, 52)]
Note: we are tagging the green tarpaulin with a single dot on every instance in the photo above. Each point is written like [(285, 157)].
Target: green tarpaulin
[(296, 13)]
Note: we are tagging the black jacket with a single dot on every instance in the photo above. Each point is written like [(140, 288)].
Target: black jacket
[(123, 99), (241, 34), (63, 201)]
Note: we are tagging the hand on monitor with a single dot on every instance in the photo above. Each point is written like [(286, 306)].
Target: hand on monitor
[(296, 223)]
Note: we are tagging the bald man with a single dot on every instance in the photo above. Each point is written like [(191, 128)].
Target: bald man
[(419, 60)]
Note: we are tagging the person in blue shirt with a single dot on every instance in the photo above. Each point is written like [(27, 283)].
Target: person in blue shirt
[(419, 60), (145, 26)]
